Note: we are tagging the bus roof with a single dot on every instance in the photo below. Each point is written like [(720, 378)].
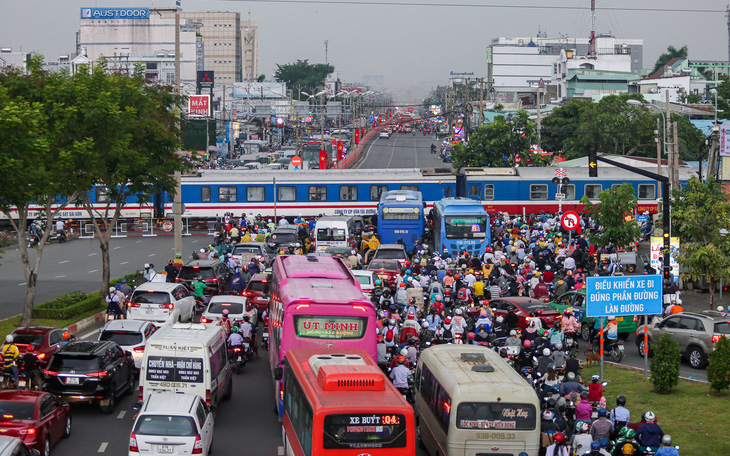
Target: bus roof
[(402, 196), (468, 368), (313, 267), (459, 205), (321, 279), (356, 371)]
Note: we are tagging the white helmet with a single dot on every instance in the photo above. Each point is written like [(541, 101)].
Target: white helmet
[(500, 319), (9, 338), (611, 318), (513, 333), (558, 345), (458, 312), (146, 265), (545, 352), (424, 325), (404, 352), (112, 290), (720, 309), (202, 250)]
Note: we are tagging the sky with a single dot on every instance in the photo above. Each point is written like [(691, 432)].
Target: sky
[(412, 44)]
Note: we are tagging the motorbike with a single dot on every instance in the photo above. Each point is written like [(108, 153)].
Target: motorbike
[(58, 235), (613, 349), (238, 358), (248, 348), (571, 342), (265, 337)]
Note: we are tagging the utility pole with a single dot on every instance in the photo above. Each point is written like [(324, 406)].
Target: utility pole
[(481, 102), (675, 146), (669, 147), (177, 204)]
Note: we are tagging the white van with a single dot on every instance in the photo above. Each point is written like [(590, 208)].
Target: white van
[(468, 399), (337, 231), (189, 358)]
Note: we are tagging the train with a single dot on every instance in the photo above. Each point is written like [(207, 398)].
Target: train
[(290, 193)]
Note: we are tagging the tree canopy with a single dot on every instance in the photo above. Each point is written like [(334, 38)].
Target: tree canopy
[(671, 53), (610, 216), (303, 76)]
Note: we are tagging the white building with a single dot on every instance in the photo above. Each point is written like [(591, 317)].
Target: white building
[(8, 58)]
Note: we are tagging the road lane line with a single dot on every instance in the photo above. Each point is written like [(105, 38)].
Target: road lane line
[(63, 262), (60, 277), (117, 247), (92, 254), (151, 254), (93, 271), (124, 262), (23, 284), (121, 414), (137, 242), (87, 335), (102, 447), (280, 451)]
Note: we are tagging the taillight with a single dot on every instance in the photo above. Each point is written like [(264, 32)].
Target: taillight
[(198, 447), (281, 391), (636, 318), (48, 372), (167, 306), (210, 280), (27, 432), (132, 304), (139, 349), (141, 391), (205, 320), (207, 396), (716, 337), (41, 355), (133, 443), (97, 374)]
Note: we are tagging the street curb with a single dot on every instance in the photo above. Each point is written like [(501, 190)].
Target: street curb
[(641, 371), (96, 320)]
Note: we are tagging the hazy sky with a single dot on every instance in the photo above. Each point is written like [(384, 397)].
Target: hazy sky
[(413, 47)]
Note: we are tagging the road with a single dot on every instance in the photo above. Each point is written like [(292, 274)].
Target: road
[(401, 150)]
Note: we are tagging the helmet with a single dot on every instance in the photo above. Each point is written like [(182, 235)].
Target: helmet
[(667, 440), (424, 325), (545, 352), (378, 282), (124, 280), (408, 272), (458, 312), (112, 289), (630, 434), (234, 329), (566, 312), (558, 346), (500, 319), (447, 321), (411, 315), (9, 338), (571, 376), (483, 313), (391, 322), (401, 359), (602, 411), (380, 338), (528, 344), (559, 437), (117, 287), (596, 445), (550, 367), (66, 335), (513, 333), (202, 250), (720, 309), (456, 277), (439, 298), (547, 415), (611, 318), (621, 400), (650, 417), (412, 300), (146, 265), (225, 312), (623, 431), (402, 285), (471, 335), (582, 426), (404, 352), (393, 307)]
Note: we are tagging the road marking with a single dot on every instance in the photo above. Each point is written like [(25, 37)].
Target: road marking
[(102, 447), (363, 159), (137, 242), (92, 254), (151, 254), (124, 262), (63, 262), (60, 277), (22, 284), (280, 451), (87, 335), (117, 247), (121, 414), (93, 271)]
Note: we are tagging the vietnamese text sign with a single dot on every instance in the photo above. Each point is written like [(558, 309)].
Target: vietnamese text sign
[(725, 140), (199, 106), (623, 295), (656, 261)]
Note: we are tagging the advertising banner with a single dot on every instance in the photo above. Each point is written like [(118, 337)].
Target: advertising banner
[(115, 13), (199, 106), (169, 369), (656, 260), (725, 140), (623, 295)]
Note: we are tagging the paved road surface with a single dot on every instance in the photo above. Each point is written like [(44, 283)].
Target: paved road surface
[(401, 150)]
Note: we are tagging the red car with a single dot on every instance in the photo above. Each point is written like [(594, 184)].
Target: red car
[(525, 308), (42, 341), (256, 289), (385, 269), (39, 419)]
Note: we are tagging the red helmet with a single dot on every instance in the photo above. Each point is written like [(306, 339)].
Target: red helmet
[(560, 437), (448, 320), (538, 312)]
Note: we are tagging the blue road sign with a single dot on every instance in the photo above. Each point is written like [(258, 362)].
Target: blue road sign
[(371, 119), (641, 218), (624, 295)]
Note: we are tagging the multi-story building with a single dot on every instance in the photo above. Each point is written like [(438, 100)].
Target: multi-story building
[(250, 35), (8, 58)]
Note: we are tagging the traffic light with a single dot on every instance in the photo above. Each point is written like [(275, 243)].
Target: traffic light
[(593, 160)]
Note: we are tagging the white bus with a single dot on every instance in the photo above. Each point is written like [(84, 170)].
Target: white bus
[(470, 402)]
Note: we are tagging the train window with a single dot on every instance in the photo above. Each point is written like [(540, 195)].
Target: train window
[(569, 191), (647, 191), (205, 194), (409, 187), (538, 191), (227, 194), (447, 192), (317, 193), (592, 190), (101, 195), (489, 192), (348, 192), (286, 193), (615, 186), (474, 190), (256, 193), (376, 191)]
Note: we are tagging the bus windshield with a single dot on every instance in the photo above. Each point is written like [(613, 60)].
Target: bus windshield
[(401, 213), (330, 327), (496, 415), (461, 227), (362, 430), (331, 234)]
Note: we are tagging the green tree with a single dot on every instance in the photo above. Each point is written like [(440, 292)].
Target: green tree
[(718, 367), (664, 364), (671, 53), (504, 142), (559, 127), (40, 155), (135, 132), (302, 74), (610, 216), (699, 212)]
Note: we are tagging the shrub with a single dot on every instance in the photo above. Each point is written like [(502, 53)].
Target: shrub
[(665, 365), (63, 301), (718, 367), (92, 302)]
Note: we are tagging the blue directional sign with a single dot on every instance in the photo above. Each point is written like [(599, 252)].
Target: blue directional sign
[(371, 118), (624, 295), (641, 218)]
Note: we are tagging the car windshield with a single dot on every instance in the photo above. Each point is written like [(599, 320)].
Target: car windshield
[(256, 285), (390, 254), (241, 249), (171, 426), (150, 297), (122, 337), (534, 307), (233, 307), (331, 234), (84, 363), (191, 272), (17, 410), (376, 265), (35, 340), (283, 238)]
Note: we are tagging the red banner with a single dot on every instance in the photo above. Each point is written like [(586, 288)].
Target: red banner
[(340, 150), (323, 159), (357, 136), (380, 118)]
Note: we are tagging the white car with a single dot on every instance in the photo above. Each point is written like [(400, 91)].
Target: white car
[(384, 135), (236, 305), (131, 335), (170, 423), (367, 281), (161, 302)]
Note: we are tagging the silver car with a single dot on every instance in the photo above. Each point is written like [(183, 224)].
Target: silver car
[(161, 302), (237, 307), (131, 335)]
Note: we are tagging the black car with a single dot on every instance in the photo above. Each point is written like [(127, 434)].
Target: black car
[(215, 274), (91, 371), (286, 236)]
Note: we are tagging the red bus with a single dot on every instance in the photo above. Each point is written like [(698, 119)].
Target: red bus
[(316, 302), (338, 402)]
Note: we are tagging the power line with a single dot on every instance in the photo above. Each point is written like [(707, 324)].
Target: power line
[(467, 5)]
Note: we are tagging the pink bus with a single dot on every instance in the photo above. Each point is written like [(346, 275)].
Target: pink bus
[(316, 302)]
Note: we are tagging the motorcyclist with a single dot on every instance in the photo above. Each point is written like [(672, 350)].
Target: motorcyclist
[(484, 320), (559, 447), (513, 340), (572, 364), (198, 288), (236, 285), (399, 375), (390, 333), (570, 385), (459, 322), (595, 389), (544, 361), (247, 332), (433, 319), (10, 357), (583, 409), (620, 415), (149, 272), (482, 335), (667, 449), (235, 339), (425, 335), (32, 370), (412, 307), (570, 324), (525, 356), (602, 427), (170, 271), (558, 356), (500, 328), (125, 288), (113, 305), (581, 440), (224, 322), (628, 446), (650, 434), (65, 338), (410, 327)]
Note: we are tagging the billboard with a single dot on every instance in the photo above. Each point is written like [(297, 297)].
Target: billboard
[(205, 79), (251, 89), (115, 13), (656, 262), (199, 106), (725, 140), (624, 295)]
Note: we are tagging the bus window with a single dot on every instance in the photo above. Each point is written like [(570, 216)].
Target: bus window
[(255, 193), (101, 195), (317, 193), (287, 193), (376, 191), (474, 190), (447, 192), (205, 194), (647, 191), (569, 191), (466, 227), (227, 194), (348, 192), (592, 190)]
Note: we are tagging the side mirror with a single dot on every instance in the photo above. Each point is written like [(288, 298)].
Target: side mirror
[(128, 353), (278, 373)]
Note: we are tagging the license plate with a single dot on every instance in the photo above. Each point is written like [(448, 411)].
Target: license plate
[(245, 346), (165, 449), (621, 347), (72, 380), (619, 318), (21, 383), (149, 311)]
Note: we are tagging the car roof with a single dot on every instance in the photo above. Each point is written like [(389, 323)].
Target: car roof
[(20, 395), (7, 442), (362, 272), (157, 286), (170, 402), (523, 301), (260, 276), (391, 246), (708, 314), (125, 325), (202, 263), (84, 347), (34, 329), (228, 298), (252, 243)]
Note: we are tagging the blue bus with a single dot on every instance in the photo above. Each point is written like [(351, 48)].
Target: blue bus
[(401, 214), (460, 224)]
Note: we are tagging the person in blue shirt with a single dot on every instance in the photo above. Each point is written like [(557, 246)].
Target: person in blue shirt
[(620, 416), (650, 434), (667, 449)]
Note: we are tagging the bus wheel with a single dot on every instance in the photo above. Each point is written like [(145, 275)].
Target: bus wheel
[(419, 441)]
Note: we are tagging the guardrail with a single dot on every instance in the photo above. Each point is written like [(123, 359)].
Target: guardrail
[(354, 155)]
